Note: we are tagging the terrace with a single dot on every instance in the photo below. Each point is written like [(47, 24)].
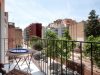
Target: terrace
[(53, 57)]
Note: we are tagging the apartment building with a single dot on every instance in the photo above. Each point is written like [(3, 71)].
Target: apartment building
[(80, 31), (18, 37), (15, 37), (58, 27), (43, 31), (11, 35), (71, 24), (76, 29), (34, 29)]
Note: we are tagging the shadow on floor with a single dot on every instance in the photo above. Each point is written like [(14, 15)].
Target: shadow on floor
[(38, 73)]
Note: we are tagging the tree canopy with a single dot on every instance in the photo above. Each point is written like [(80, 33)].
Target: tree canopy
[(93, 25), (51, 35), (66, 35)]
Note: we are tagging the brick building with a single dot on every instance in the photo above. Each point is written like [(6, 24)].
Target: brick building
[(34, 29), (76, 29), (11, 35), (18, 37), (14, 36), (59, 26)]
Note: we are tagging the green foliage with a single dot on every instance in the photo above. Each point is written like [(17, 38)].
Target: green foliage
[(34, 39), (50, 34), (94, 48), (66, 47), (58, 48), (92, 31), (38, 45), (53, 46), (93, 26), (66, 35)]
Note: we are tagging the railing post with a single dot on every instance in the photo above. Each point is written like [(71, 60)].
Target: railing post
[(61, 55), (47, 55), (91, 59), (66, 57), (81, 58), (73, 56)]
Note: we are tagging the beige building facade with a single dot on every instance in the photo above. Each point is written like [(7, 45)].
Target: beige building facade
[(58, 27), (76, 29)]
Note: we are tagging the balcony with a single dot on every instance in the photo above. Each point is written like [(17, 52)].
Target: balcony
[(53, 57)]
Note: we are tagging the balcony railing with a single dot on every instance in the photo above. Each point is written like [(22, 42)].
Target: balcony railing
[(56, 57)]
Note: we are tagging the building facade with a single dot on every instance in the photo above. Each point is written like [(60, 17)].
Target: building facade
[(43, 32), (34, 29), (80, 31), (14, 36), (18, 37), (11, 35), (58, 27), (76, 29), (71, 27)]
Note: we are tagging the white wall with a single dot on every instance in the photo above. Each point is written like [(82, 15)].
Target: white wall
[(3, 35), (6, 38)]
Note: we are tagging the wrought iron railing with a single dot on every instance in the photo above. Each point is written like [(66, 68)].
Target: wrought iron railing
[(62, 57)]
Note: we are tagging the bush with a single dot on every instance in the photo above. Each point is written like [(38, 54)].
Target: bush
[(58, 48), (94, 48), (38, 45)]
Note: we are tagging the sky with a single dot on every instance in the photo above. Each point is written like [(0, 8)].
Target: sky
[(25, 12)]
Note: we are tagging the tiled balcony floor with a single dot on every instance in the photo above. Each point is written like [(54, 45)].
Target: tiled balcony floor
[(34, 69)]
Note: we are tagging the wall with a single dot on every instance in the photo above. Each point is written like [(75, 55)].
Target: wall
[(80, 31), (18, 37), (34, 29), (38, 30), (3, 32), (11, 35), (14, 36), (76, 31), (58, 27)]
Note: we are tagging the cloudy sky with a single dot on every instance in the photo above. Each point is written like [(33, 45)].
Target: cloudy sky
[(24, 12)]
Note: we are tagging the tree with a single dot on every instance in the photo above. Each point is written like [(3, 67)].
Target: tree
[(36, 43), (93, 26), (94, 48), (50, 34), (66, 35), (57, 47)]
